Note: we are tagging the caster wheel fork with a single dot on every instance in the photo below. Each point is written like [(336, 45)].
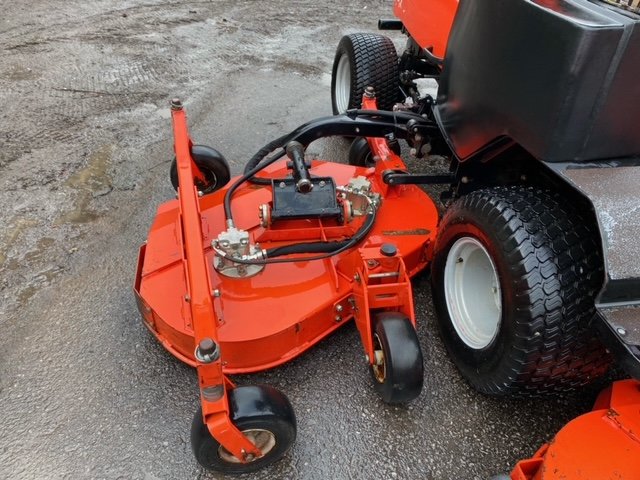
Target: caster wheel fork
[(266, 418)]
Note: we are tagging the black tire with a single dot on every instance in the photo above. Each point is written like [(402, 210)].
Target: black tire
[(372, 61), (360, 153), (400, 375), (252, 408), (549, 269), (211, 163)]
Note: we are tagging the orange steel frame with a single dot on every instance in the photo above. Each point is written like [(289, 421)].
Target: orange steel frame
[(268, 319), (428, 21)]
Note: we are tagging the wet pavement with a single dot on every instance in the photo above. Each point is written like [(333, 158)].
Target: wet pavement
[(85, 391)]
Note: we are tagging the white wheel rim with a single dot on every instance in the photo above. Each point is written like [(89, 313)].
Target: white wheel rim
[(472, 292), (342, 88)]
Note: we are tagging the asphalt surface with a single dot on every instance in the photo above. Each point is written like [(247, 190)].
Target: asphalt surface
[(85, 391)]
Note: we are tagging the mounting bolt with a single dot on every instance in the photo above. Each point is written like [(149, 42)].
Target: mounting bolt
[(369, 92), (388, 250), (176, 104), (338, 318), (339, 308), (216, 293), (207, 351), (621, 331)]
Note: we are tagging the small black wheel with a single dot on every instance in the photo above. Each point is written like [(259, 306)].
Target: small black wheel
[(397, 367), (360, 153), (364, 60), (211, 163), (514, 277), (263, 414)]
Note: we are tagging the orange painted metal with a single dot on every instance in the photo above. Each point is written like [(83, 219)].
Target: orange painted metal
[(269, 319), (602, 444), (197, 299), (428, 21), (265, 320)]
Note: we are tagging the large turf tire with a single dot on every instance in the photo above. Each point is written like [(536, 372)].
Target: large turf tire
[(363, 60), (549, 269)]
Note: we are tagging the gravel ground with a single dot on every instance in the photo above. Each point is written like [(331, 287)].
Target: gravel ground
[(85, 392)]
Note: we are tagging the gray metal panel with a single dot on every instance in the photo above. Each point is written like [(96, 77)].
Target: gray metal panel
[(625, 321), (615, 194)]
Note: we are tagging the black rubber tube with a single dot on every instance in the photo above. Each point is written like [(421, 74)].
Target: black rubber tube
[(325, 247)]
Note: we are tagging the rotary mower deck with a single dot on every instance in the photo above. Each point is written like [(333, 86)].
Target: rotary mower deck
[(245, 284)]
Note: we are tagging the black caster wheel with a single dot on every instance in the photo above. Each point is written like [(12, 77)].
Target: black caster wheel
[(360, 153), (266, 418), (397, 369), (211, 163)]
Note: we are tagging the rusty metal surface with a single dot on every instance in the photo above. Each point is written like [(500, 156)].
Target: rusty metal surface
[(615, 193)]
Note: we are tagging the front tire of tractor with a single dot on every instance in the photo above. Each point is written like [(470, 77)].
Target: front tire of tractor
[(514, 277), (397, 370), (212, 164), (263, 414), (364, 60)]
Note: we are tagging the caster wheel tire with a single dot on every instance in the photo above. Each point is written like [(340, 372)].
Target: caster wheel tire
[(397, 371), (263, 414), (363, 60), (211, 163), (360, 153), (514, 277)]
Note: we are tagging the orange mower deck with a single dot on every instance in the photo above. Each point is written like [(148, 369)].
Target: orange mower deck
[(237, 285), (268, 319)]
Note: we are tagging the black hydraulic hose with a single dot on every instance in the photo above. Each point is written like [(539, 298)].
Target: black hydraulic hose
[(325, 247), (344, 245), (260, 155), (322, 127), (313, 247), (229, 193)]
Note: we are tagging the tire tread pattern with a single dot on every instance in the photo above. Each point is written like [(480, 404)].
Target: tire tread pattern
[(376, 65), (554, 256)]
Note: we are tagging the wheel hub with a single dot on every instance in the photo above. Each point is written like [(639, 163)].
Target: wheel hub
[(379, 367), (472, 292), (263, 439), (343, 84)]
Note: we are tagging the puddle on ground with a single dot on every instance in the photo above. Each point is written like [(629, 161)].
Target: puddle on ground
[(11, 234), (90, 182)]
